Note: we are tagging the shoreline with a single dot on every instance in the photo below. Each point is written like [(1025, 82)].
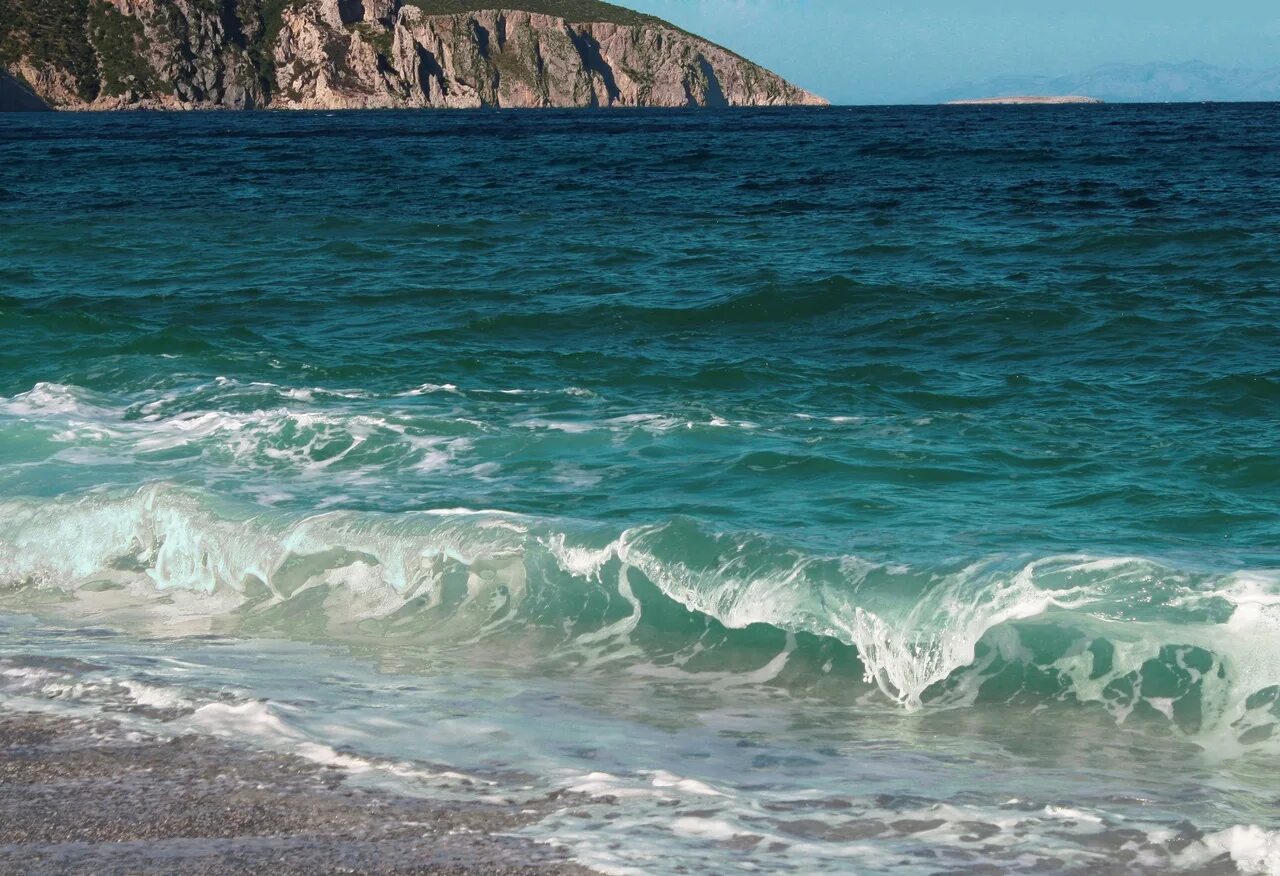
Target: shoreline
[(89, 796)]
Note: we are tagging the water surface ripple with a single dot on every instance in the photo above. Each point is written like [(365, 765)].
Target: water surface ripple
[(896, 485)]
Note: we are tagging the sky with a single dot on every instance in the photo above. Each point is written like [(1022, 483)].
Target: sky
[(860, 51)]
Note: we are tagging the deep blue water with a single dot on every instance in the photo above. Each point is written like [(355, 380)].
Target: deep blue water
[(850, 418)]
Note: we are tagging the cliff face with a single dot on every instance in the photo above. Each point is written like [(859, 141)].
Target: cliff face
[(339, 54)]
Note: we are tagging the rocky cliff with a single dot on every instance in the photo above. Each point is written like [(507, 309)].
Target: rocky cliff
[(340, 54)]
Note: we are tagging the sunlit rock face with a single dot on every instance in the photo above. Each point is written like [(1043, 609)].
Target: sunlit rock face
[(353, 54)]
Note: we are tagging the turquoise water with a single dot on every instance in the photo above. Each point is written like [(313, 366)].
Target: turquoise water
[(872, 489)]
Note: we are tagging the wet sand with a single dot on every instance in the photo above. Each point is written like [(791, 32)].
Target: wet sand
[(81, 796)]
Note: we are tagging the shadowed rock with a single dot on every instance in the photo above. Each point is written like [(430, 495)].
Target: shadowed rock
[(17, 98)]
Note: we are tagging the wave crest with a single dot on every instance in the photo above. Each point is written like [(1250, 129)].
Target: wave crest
[(1128, 634)]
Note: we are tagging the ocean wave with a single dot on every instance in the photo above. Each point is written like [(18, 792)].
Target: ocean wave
[(1198, 650), (352, 435), (262, 426), (1252, 849)]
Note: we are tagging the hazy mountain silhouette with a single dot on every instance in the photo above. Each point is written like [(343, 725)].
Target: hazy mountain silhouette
[(1135, 83)]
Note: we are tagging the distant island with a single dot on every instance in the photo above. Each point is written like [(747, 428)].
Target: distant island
[(1024, 99), (1159, 82), (366, 54)]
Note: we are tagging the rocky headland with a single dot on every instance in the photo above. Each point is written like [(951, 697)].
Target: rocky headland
[(365, 54)]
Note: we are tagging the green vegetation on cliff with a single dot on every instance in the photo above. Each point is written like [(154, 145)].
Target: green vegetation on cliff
[(102, 51), (50, 33), (572, 11), (223, 52), (576, 11), (120, 40)]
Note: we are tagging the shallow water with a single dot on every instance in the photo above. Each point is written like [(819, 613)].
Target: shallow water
[(873, 489)]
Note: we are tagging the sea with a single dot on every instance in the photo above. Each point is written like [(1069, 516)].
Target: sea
[(849, 490)]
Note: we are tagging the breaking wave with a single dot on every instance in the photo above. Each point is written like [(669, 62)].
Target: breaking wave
[(1194, 649)]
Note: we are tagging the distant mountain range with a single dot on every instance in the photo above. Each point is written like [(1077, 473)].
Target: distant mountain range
[(1134, 83)]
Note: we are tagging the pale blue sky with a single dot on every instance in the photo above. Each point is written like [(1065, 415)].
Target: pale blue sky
[(858, 51)]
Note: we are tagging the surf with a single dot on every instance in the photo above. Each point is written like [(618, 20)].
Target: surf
[(1129, 635)]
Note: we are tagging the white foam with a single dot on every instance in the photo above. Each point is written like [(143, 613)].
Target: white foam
[(248, 720), (705, 828), (256, 722), (664, 779), (432, 388), (1066, 813), (912, 628), (601, 784), (155, 696), (46, 399), (584, 562), (1251, 848), (289, 434), (165, 539)]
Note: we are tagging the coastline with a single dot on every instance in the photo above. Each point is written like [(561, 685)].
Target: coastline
[(89, 796), (326, 55)]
